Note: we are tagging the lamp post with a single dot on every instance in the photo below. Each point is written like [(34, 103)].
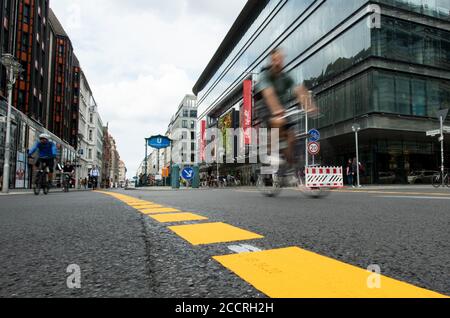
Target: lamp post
[(13, 69), (356, 129)]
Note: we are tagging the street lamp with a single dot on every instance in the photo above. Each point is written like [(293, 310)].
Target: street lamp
[(13, 69), (356, 129)]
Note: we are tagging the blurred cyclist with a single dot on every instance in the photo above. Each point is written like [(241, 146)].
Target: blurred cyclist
[(276, 88), (47, 154)]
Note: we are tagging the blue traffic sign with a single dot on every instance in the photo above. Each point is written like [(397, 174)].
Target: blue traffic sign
[(159, 142), (188, 174), (314, 135)]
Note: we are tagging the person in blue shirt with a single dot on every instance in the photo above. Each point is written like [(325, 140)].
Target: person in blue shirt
[(47, 154)]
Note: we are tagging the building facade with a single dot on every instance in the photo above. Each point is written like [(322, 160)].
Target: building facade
[(110, 161), (183, 132), (384, 65)]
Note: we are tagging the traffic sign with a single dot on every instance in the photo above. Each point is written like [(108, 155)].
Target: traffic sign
[(159, 142), (314, 135), (313, 148), (187, 174), (433, 133)]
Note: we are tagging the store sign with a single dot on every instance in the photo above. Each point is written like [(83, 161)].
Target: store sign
[(247, 109)]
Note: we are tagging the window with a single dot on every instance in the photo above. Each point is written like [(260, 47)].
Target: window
[(193, 124), (91, 118), (26, 14), (193, 113), (90, 135), (185, 124), (192, 135), (185, 113), (90, 154)]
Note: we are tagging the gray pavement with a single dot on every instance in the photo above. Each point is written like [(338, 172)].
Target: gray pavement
[(122, 253)]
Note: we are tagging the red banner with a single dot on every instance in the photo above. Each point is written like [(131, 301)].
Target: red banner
[(202, 140), (248, 108)]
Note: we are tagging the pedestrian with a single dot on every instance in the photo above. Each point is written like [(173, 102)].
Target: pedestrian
[(350, 172), (94, 177), (355, 168)]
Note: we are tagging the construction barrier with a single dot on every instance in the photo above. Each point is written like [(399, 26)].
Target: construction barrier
[(324, 177)]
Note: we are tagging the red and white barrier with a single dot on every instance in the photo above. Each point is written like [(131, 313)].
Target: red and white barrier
[(324, 177)]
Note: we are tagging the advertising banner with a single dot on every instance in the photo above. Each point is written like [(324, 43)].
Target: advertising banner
[(247, 111)]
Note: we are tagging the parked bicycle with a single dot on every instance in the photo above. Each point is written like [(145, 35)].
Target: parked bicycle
[(441, 180)]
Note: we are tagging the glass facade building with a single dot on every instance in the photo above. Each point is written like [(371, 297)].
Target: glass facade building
[(382, 64)]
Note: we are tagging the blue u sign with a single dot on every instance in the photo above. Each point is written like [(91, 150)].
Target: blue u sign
[(159, 142), (187, 174)]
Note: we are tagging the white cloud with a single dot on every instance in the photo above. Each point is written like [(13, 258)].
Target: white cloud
[(142, 56)]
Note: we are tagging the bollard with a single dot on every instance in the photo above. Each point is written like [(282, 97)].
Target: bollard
[(175, 174), (196, 180)]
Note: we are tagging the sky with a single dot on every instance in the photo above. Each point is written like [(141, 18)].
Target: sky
[(141, 57)]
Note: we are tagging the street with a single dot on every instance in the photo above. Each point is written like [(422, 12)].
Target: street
[(198, 243)]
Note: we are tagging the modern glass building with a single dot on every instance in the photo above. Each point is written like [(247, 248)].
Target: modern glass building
[(382, 64)]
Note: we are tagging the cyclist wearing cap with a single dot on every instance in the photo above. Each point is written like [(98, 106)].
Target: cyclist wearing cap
[(47, 154), (277, 87)]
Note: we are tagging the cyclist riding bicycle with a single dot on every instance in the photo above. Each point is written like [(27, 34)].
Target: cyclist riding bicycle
[(276, 88), (47, 154)]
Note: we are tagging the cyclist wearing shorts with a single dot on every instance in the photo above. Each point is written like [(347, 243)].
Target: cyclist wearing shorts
[(47, 154), (277, 87)]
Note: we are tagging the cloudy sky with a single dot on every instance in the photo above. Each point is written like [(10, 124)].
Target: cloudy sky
[(142, 56)]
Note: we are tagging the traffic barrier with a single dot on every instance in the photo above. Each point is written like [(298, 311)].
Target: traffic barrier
[(324, 177)]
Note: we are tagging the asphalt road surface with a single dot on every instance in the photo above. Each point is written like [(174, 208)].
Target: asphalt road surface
[(122, 251)]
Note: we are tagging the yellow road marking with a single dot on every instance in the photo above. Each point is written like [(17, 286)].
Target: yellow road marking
[(158, 210), (392, 192), (296, 273), (145, 206), (177, 217), (211, 233)]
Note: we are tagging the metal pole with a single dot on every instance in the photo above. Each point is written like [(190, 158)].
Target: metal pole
[(442, 150), (146, 163), (307, 129), (357, 158), (6, 164)]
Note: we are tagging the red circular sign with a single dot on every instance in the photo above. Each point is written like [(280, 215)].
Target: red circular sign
[(314, 148)]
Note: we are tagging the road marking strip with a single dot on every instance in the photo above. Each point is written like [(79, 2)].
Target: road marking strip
[(213, 233), (413, 197), (243, 248), (391, 192), (296, 273), (158, 210), (177, 217)]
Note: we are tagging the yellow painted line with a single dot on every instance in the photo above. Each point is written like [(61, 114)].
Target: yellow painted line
[(211, 233), (296, 273), (392, 192), (177, 217), (158, 210), (146, 206)]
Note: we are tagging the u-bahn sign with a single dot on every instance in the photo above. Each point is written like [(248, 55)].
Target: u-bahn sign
[(159, 142)]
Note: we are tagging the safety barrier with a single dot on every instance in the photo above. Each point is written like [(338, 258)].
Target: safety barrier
[(324, 177)]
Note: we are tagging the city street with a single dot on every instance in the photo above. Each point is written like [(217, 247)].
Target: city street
[(130, 243)]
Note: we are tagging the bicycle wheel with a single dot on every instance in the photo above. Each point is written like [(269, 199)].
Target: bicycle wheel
[(437, 183), (269, 186), (37, 184), (315, 193)]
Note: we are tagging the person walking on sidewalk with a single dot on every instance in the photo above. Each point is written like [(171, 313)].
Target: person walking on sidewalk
[(350, 173), (94, 178)]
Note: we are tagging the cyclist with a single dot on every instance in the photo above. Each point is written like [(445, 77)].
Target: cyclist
[(47, 154), (68, 170), (276, 88)]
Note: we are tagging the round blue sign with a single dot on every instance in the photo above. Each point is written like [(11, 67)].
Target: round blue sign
[(187, 173), (314, 135)]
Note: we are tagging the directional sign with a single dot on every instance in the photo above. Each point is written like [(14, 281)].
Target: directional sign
[(314, 135), (159, 142), (187, 174), (313, 148), (433, 133)]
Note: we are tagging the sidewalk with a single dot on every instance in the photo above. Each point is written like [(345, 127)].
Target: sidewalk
[(30, 191)]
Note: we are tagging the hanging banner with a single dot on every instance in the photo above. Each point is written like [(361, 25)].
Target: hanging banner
[(247, 116), (202, 140)]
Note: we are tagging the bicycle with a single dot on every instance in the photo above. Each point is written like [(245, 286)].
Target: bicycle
[(272, 184), (41, 180), (441, 180), (66, 181)]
